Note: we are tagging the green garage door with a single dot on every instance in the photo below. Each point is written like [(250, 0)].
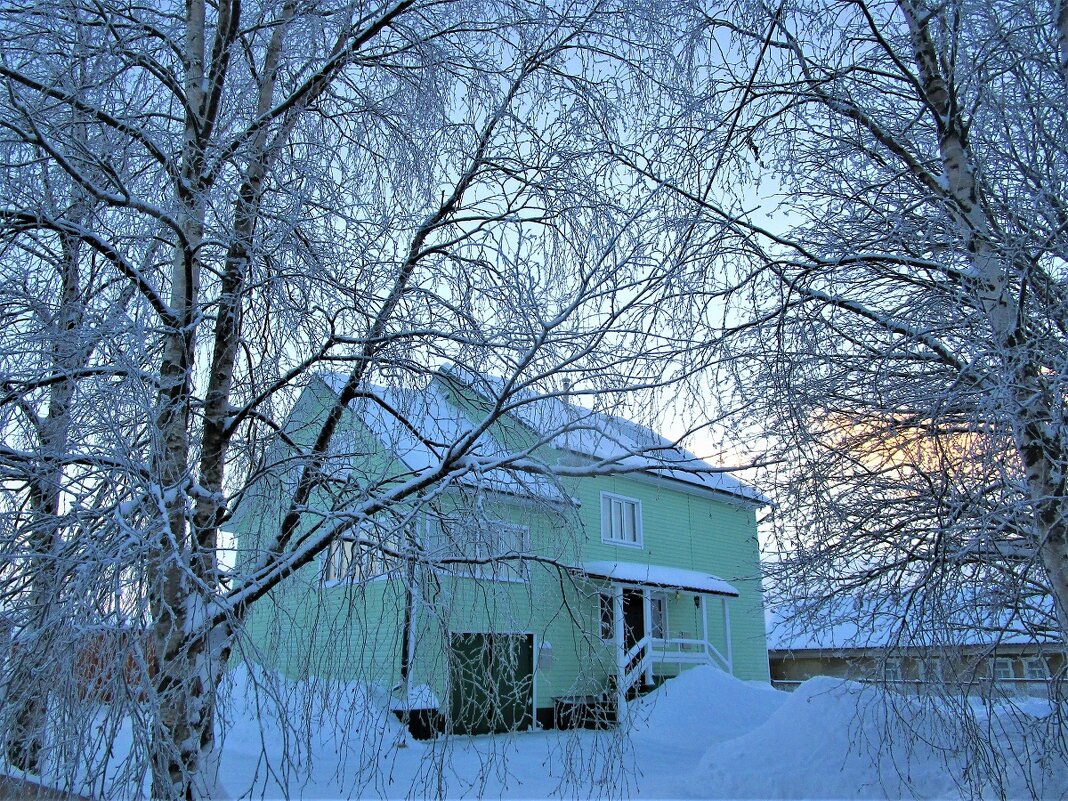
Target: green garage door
[(491, 682)]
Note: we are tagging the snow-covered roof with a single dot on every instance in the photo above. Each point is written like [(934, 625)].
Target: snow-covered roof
[(420, 425), (613, 440), (658, 576), (862, 622)]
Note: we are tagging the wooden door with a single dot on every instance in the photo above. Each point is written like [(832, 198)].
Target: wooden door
[(491, 682)]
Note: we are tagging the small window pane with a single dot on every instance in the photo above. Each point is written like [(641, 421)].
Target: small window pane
[(339, 565), (362, 556), (1036, 669), (931, 669), (509, 540), (1002, 670), (892, 670), (621, 520)]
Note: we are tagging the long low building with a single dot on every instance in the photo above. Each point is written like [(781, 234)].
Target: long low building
[(915, 644)]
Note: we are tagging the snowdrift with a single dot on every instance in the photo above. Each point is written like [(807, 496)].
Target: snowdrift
[(702, 735), (835, 739), (702, 706)]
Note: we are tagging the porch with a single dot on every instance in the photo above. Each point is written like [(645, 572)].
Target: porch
[(634, 617)]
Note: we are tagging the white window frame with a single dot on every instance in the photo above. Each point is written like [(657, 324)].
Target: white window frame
[(518, 542), (1001, 670), (614, 519), (893, 671), (346, 562), (1036, 668), (933, 669), (337, 562)]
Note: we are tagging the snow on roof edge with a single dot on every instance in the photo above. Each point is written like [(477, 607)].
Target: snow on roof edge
[(658, 576), (416, 455), (876, 622), (576, 424)]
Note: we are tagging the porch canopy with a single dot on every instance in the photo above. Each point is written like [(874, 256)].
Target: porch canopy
[(674, 578)]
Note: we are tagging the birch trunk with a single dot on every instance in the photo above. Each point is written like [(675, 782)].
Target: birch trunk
[(183, 695), (1035, 421), (202, 649), (35, 642), (71, 347)]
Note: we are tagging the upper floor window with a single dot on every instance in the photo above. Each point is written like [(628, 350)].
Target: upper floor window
[(357, 558), (496, 549), (505, 543), (621, 520)]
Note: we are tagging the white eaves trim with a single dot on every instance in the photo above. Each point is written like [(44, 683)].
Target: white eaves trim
[(675, 578)]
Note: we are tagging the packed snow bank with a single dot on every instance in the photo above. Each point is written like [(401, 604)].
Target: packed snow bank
[(702, 706), (835, 739), (309, 739), (822, 742), (704, 734)]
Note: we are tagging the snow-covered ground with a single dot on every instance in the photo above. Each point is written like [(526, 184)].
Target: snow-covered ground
[(702, 735)]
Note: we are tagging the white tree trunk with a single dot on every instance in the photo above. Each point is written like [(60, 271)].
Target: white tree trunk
[(1035, 420)]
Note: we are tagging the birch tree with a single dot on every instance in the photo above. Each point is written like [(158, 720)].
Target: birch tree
[(59, 311), (245, 192), (897, 320), (894, 311)]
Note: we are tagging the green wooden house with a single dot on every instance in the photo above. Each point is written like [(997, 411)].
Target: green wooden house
[(540, 590)]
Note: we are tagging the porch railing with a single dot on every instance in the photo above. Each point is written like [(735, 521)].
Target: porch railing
[(635, 664), (683, 651)]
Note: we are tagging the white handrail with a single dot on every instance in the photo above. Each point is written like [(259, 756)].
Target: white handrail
[(679, 641), (724, 661), (670, 650), (639, 646), (627, 678)]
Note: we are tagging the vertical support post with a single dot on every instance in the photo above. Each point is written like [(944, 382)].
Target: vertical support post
[(702, 603), (647, 613), (413, 622), (617, 632), (727, 635)]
